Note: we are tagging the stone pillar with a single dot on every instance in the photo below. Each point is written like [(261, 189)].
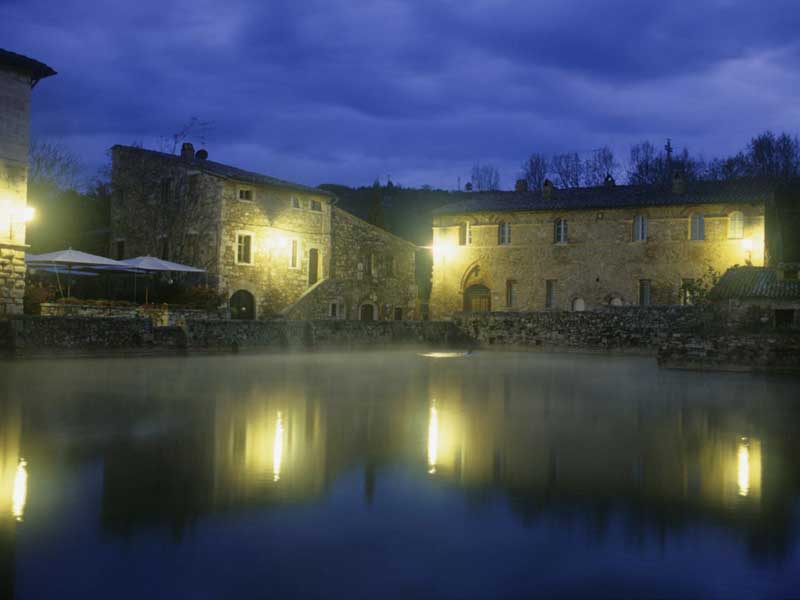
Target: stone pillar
[(18, 75)]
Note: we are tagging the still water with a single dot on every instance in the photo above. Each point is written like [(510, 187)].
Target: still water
[(395, 475)]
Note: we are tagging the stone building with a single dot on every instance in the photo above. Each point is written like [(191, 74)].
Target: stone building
[(271, 246), (18, 75), (584, 248)]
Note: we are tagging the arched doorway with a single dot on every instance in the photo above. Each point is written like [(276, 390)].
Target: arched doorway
[(243, 305), (367, 312), (477, 299), (578, 305)]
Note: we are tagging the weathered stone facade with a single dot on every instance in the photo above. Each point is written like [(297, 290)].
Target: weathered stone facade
[(18, 74), (599, 262), (372, 273), (271, 246)]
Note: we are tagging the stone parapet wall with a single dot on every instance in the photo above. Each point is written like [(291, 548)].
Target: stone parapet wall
[(618, 328), (736, 352), (161, 316)]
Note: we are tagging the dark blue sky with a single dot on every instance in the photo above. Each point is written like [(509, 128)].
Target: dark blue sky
[(335, 91)]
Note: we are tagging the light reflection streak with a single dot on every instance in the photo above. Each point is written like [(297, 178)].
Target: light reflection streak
[(20, 493), (277, 448), (743, 470), (433, 438)]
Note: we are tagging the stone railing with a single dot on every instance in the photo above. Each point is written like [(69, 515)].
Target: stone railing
[(161, 315)]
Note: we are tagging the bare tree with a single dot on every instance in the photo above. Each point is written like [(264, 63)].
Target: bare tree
[(485, 178), (601, 164), (195, 128), (646, 167), (534, 170), (568, 169), (165, 208), (52, 166), (774, 156)]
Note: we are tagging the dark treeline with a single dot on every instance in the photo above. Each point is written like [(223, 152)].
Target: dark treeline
[(767, 155)]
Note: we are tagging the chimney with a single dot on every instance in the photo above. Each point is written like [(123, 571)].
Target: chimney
[(609, 181), (521, 185), (678, 183), (547, 188), (187, 151), (468, 186), (201, 154)]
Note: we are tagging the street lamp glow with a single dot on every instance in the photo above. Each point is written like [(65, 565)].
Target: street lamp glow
[(443, 250)]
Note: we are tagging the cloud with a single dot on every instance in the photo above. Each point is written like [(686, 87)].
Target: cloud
[(344, 91)]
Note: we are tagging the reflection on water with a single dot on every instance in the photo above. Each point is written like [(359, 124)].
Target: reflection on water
[(345, 463)]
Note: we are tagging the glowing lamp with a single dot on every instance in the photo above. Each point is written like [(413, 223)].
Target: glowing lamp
[(20, 492), (443, 250), (747, 245)]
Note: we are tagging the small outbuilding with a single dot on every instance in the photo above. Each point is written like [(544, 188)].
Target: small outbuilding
[(769, 294)]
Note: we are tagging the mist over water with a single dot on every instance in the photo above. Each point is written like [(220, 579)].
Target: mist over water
[(391, 474)]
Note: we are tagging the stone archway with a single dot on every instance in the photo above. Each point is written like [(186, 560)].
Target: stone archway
[(243, 305), (367, 312), (477, 299), (578, 305)]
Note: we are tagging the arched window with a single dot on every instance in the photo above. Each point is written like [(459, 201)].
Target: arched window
[(639, 228), (578, 305), (697, 229), (560, 231), (504, 234), (615, 301), (243, 305), (736, 225)]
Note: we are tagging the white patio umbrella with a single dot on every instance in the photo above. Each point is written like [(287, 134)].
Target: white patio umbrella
[(72, 258), (153, 264)]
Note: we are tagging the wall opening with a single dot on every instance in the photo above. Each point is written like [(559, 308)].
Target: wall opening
[(243, 305)]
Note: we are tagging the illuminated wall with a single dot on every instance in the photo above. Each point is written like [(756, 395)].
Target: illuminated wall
[(598, 264), (15, 94)]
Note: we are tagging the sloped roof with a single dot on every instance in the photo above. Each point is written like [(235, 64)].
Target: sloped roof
[(754, 282), (22, 64), (617, 196), (228, 171)]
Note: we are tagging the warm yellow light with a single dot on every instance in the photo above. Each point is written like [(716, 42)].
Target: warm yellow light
[(747, 245), (443, 250), (433, 438), (743, 471), (28, 213), (20, 493), (280, 241), (277, 448)]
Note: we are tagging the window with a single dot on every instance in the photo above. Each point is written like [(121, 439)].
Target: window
[(578, 305), (294, 258), (244, 248), (334, 310), (736, 225), (245, 194), (295, 202), (644, 292), (560, 231), (164, 247), (639, 228), (119, 249), (398, 313), (316, 205), (465, 234), (389, 266), (369, 264), (504, 234), (166, 189), (511, 292), (697, 230), (550, 293)]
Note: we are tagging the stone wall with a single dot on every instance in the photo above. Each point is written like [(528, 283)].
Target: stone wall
[(160, 316), (599, 263), (736, 352), (15, 91), (615, 328), (369, 266)]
